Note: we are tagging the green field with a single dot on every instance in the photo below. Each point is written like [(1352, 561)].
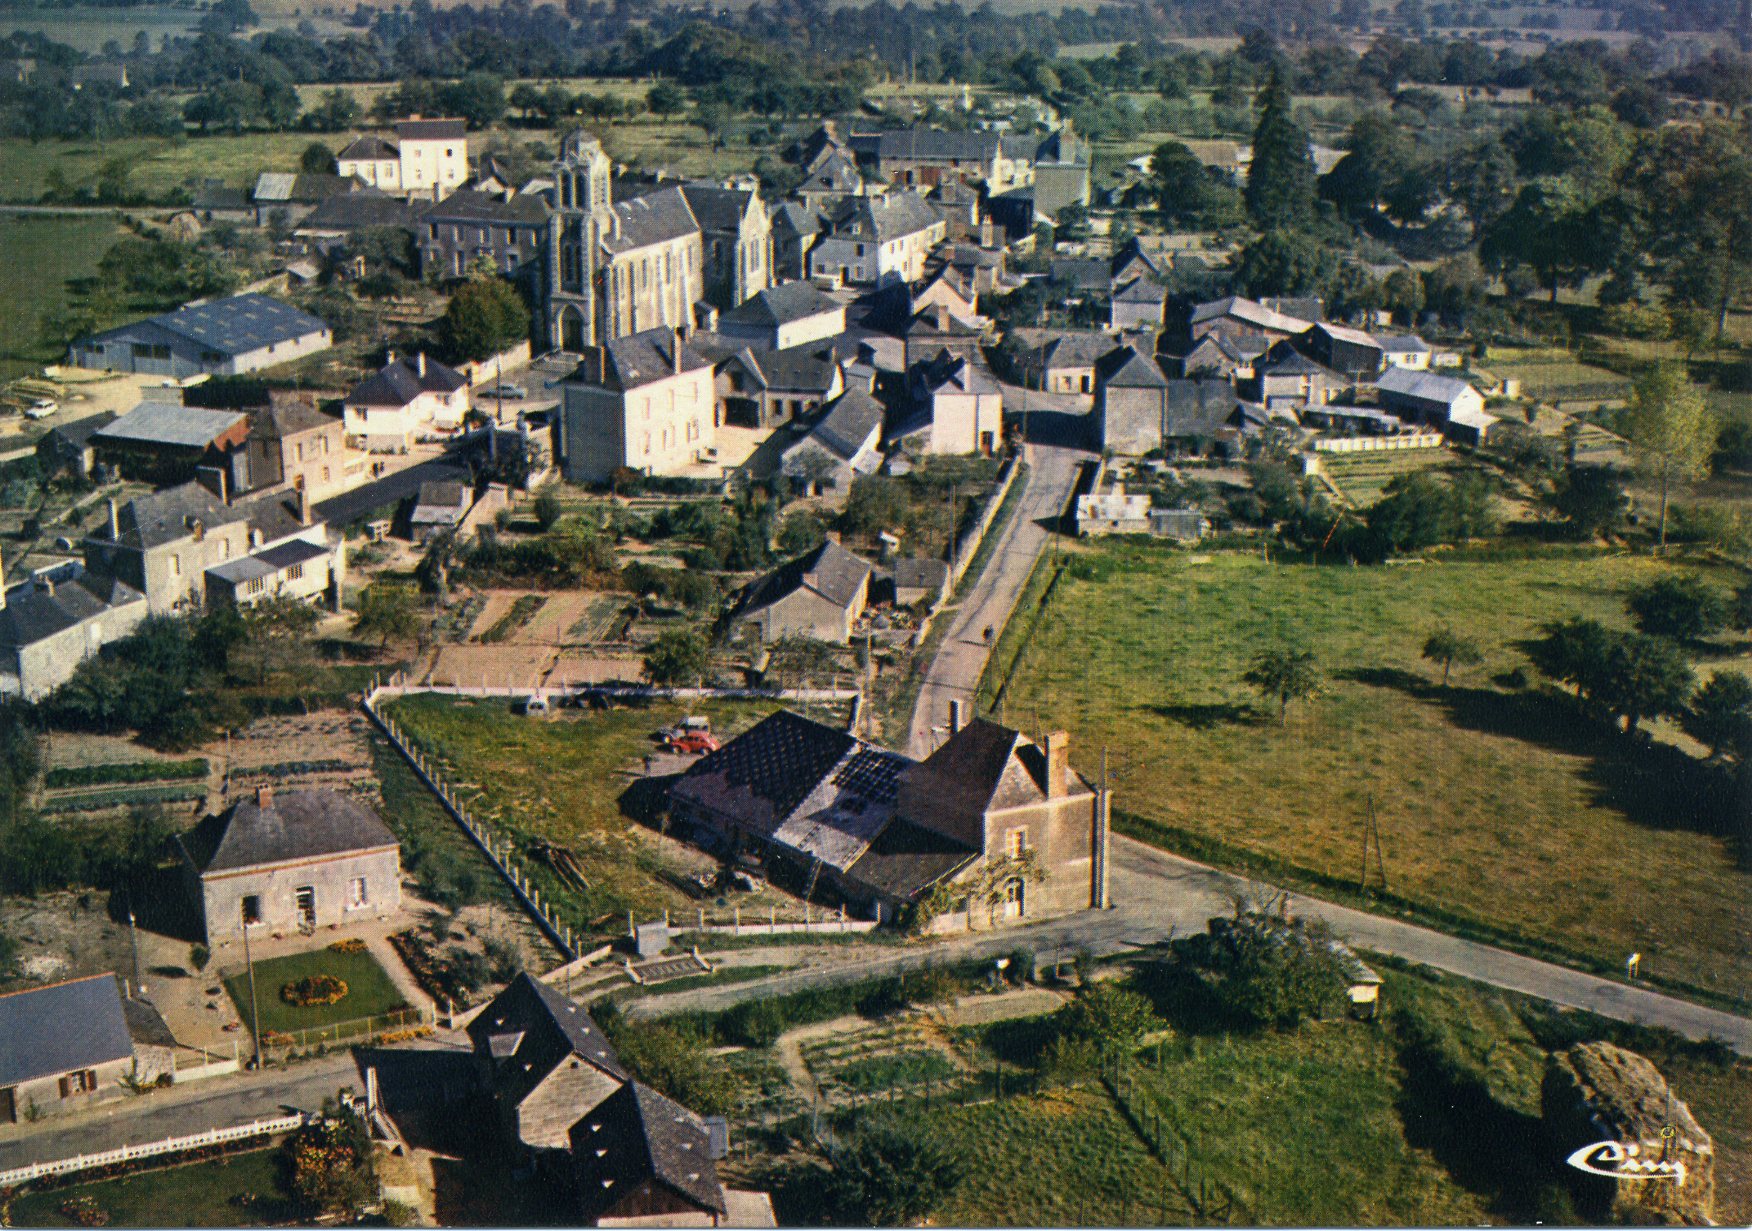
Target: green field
[(562, 779), (37, 256), (157, 164), (1500, 813), (369, 990), (197, 1195)]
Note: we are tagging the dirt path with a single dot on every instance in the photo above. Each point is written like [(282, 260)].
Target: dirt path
[(789, 1052)]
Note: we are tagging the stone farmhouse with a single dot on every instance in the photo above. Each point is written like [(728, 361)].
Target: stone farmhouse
[(49, 626), (643, 402), (769, 388), (991, 828), (819, 595), (427, 158), (287, 863), (924, 157), (471, 224), (221, 337), (385, 412), (162, 544), (293, 444), (69, 1046), (874, 241), (619, 1153), (840, 446)]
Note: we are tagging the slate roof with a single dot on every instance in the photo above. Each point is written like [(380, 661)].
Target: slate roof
[(796, 217), (169, 514), (275, 559), (764, 774), (1074, 350), (235, 325), (1249, 312), (718, 209), (288, 825), (920, 573), (1344, 333), (146, 1025), (808, 368), (933, 144), (1198, 408), (1285, 360), (399, 383), (530, 1029), (214, 196), (1423, 386), (838, 172), (307, 187), (361, 211), (77, 434), (654, 218), (850, 421), (906, 858), (637, 1135), (981, 767), (784, 304), (431, 130), (830, 571), (45, 1031), (283, 418), (182, 427), (881, 219), (640, 359), (954, 374), (1083, 274), (1141, 290), (368, 148), (32, 613), (1125, 367), (474, 206), (1403, 344)]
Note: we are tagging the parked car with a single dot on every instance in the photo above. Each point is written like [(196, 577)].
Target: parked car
[(694, 743), (508, 391), (42, 408), (694, 724)]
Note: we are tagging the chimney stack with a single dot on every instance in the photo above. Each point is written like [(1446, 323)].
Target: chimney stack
[(675, 343), (389, 359), (303, 505), (115, 525), (420, 363), (1058, 763), (957, 715), (264, 796)]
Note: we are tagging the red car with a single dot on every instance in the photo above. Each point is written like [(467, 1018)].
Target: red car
[(695, 742)]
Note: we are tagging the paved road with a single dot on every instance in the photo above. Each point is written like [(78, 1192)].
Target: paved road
[(1158, 896), (216, 1103), (954, 673)]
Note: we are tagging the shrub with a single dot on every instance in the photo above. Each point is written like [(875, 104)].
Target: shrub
[(351, 944), (126, 772), (1108, 1019), (890, 1176), (199, 956)]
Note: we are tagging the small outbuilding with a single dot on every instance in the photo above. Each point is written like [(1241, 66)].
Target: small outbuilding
[(69, 1045)]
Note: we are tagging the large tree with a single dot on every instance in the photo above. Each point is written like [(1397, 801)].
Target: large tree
[(679, 656), (1697, 184), (1672, 430), (1684, 607), (891, 1176), (484, 317), (1720, 715), (1545, 230), (1643, 677), (1190, 194), (1280, 181)]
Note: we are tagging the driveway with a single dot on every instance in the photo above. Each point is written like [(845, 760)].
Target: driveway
[(961, 657)]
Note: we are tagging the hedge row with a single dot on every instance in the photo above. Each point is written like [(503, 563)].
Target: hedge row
[(97, 801), (125, 772)]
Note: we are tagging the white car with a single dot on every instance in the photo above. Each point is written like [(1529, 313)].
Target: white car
[(42, 408)]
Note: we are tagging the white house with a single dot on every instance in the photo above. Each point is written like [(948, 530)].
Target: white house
[(787, 315), (1445, 401), (385, 412), (428, 158), (643, 402), (1406, 351), (958, 405)]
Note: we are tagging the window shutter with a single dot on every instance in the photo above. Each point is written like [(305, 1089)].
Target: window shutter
[(66, 1086)]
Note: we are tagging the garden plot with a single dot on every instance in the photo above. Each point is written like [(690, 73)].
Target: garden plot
[(903, 1055), (327, 751), (549, 624), (494, 666)]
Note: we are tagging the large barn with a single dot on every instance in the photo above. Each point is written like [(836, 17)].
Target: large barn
[(220, 337)]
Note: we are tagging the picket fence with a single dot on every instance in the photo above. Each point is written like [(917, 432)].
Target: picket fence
[(169, 1145)]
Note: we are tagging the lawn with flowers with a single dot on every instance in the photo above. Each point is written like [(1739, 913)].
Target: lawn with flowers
[(306, 991)]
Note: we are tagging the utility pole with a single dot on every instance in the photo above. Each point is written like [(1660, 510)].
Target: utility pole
[(255, 1016), (134, 943)]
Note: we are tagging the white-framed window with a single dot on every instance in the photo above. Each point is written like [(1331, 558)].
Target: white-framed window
[(357, 893), (175, 565), (1016, 842)]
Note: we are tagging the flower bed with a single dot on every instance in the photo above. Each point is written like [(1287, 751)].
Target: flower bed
[(314, 990), (350, 945)]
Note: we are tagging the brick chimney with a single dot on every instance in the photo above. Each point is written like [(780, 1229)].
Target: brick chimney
[(1058, 764), (115, 525), (675, 343), (264, 797), (957, 715)]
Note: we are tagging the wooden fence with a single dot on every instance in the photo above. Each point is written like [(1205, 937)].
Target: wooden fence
[(279, 1043), (169, 1145)]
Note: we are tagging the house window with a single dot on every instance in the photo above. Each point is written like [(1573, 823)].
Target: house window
[(175, 565), (82, 1082), (252, 908), (254, 586), (294, 572), (1015, 842), (356, 894)]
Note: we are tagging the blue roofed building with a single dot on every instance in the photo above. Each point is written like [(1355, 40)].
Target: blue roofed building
[(68, 1045), (220, 337)]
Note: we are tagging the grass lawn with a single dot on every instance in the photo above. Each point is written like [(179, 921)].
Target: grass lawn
[(37, 256), (196, 1195), (369, 990), (1497, 808), (562, 779)]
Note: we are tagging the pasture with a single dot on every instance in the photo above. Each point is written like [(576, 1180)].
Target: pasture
[(1502, 813), (38, 254)]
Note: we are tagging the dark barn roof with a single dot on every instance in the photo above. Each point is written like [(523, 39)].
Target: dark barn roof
[(531, 1028), (637, 1135)]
